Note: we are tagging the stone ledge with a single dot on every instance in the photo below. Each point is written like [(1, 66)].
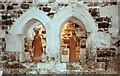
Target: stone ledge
[(57, 66)]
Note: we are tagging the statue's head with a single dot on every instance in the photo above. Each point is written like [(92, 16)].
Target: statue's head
[(73, 32), (36, 31)]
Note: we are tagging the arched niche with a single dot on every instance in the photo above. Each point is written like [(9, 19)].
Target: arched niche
[(15, 38), (30, 36), (73, 50), (71, 11)]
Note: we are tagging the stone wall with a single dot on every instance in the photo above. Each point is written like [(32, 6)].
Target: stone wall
[(12, 12)]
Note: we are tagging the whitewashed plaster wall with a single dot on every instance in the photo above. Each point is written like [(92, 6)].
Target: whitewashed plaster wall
[(66, 1), (98, 40), (110, 11), (113, 12), (53, 27), (115, 26), (15, 43)]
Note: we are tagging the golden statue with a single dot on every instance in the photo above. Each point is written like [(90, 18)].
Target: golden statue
[(74, 48)]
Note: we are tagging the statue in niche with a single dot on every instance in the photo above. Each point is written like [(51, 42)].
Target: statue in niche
[(37, 47), (74, 48)]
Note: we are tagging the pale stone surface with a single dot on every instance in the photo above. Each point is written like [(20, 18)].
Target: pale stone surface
[(58, 66), (44, 71), (2, 33), (64, 58), (31, 72), (106, 11), (14, 43), (98, 40), (82, 55), (66, 1), (1, 72), (115, 26)]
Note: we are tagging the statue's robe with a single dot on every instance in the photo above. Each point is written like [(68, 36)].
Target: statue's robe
[(74, 49), (37, 46)]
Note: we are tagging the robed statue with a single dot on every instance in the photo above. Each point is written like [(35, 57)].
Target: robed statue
[(74, 53), (37, 47)]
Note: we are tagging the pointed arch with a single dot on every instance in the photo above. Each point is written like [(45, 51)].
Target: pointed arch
[(77, 11), (33, 13), (17, 31), (61, 17)]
